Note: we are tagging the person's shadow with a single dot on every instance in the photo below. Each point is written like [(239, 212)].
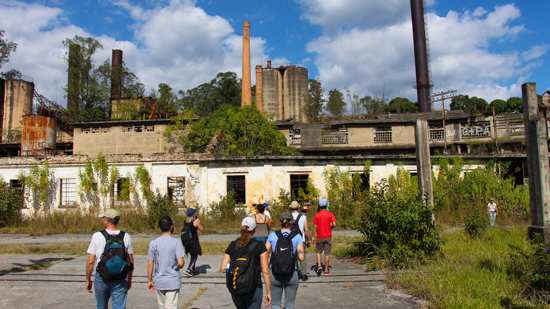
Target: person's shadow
[(203, 269)]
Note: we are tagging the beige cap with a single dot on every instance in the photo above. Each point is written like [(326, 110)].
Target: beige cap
[(294, 205), (109, 213)]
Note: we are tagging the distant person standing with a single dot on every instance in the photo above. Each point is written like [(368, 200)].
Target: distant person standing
[(263, 224), (190, 239), (164, 261), (111, 255), (300, 226), (324, 222), (492, 210)]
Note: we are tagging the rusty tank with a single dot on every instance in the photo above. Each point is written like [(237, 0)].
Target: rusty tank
[(38, 137)]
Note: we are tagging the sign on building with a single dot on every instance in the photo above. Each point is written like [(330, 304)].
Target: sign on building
[(476, 130)]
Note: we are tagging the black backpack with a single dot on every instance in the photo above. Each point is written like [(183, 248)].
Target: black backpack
[(114, 264), (187, 234), (296, 226), (283, 259), (242, 278)]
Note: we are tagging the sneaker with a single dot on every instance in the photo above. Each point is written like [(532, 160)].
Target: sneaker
[(188, 274), (304, 277), (327, 271), (319, 271)]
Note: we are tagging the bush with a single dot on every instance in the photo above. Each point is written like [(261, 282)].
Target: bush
[(11, 202), (532, 269), (396, 225), (226, 209), (475, 224), (159, 205)]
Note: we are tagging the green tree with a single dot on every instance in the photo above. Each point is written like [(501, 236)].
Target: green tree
[(206, 98), (11, 74), (6, 48), (167, 100), (500, 106), (471, 105), (131, 86), (401, 105), (515, 104), (336, 103), (373, 105), (232, 131), (316, 101)]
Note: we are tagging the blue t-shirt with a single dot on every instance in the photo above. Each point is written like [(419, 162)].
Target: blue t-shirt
[(296, 240), (164, 251)]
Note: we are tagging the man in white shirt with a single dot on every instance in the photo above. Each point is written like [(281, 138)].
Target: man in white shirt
[(492, 210), (117, 289)]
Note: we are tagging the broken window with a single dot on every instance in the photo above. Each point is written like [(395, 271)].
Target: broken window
[(382, 135), (236, 184), (176, 190), (360, 182), (298, 185), (123, 189), (138, 129), (67, 186)]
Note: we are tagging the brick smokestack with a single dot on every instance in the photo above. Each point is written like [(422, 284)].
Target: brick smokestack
[(423, 83), (246, 96), (73, 78), (259, 88), (116, 74)]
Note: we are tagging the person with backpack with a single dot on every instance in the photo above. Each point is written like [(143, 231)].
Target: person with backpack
[(245, 262), (165, 259), (286, 248), (110, 254), (190, 239), (263, 224), (300, 226), (324, 222)]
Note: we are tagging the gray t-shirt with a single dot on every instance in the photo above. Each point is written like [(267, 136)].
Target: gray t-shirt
[(164, 251)]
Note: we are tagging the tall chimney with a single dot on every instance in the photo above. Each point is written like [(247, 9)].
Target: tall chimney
[(73, 78), (259, 88), (423, 83), (246, 96), (116, 74)]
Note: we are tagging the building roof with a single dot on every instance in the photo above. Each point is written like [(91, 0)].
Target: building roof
[(116, 123)]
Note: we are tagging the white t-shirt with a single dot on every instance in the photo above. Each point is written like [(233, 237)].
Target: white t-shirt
[(492, 207), (302, 222), (98, 242)]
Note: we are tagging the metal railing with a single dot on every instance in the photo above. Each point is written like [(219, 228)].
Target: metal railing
[(437, 134), (334, 138), (381, 137)]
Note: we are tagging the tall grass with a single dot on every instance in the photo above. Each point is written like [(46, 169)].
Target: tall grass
[(470, 273)]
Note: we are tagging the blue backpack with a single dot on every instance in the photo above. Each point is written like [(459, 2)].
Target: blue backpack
[(114, 264)]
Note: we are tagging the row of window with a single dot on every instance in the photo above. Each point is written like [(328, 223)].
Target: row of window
[(236, 184), (138, 129)]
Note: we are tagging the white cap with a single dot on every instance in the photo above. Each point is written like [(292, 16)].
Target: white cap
[(250, 223)]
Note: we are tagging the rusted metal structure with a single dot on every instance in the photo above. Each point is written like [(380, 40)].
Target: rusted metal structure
[(423, 82), (73, 78), (116, 74), (259, 88), (39, 135)]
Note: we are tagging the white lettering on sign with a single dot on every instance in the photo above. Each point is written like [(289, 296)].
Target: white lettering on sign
[(476, 130)]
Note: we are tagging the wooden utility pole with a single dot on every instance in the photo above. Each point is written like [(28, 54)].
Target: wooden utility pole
[(536, 138)]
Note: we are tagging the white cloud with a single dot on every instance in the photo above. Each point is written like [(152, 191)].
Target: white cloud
[(177, 43), (379, 60)]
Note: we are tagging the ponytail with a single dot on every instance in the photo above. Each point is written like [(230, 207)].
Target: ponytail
[(246, 237)]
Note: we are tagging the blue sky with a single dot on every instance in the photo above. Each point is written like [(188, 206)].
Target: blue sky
[(485, 48)]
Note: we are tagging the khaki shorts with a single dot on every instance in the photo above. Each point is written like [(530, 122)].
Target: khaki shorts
[(324, 245)]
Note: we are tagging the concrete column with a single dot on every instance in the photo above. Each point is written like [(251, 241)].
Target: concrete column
[(423, 161), (536, 138), (259, 88), (246, 96)]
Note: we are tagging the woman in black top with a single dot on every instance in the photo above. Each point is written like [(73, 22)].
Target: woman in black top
[(245, 243), (193, 226)]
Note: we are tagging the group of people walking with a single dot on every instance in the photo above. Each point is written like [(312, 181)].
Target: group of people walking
[(262, 266)]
